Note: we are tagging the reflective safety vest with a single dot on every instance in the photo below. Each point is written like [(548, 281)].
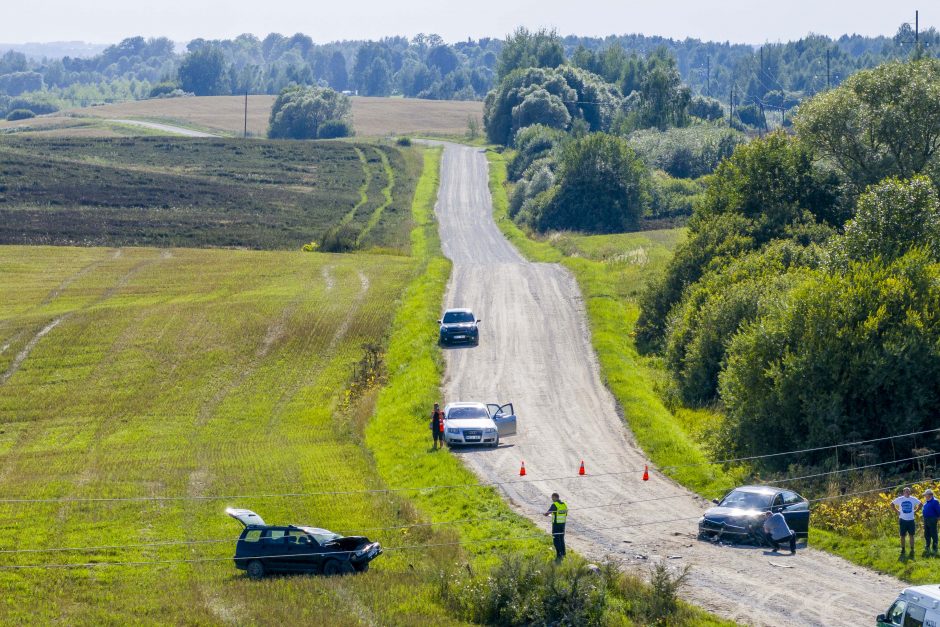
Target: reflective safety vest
[(560, 515)]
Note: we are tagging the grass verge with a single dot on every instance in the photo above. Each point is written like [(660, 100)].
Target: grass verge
[(610, 284)]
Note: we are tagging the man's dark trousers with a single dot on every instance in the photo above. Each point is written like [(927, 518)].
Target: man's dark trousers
[(558, 538)]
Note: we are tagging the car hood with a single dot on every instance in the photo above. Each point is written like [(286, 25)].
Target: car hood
[(470, 423), (723, 513), (348, 543), (459, 326)]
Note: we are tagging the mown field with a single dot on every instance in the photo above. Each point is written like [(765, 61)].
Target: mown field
[(184, 373), (372, 117), (197, 192)]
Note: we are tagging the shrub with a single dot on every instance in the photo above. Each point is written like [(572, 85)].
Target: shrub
[(300, 112), (672, 197), (161, 90), (689, 152), (20, 114), (848, 356), (403, 141), (665, 590), (601, 188), (706, 108), (332, 129), (339, 239)]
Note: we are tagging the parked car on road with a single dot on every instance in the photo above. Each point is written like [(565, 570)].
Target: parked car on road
[(915, 606), (478, 423), (459, 326), (738, 516), (262, 549)]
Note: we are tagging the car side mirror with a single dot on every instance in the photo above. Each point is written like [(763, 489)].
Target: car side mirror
[(480, 320), (881, 618), (439, 322), (716, 501)]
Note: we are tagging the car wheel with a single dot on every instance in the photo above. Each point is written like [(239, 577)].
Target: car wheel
[(255, 570), (496, 443), (331, 568), (346, 568), (362, 567)]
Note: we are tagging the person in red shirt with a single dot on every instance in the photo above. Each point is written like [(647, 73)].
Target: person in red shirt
[(437, 426)]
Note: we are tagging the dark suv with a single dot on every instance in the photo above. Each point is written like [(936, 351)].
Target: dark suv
[(263, 549), (459, 326)]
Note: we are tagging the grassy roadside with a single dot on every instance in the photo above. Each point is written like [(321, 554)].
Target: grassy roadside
[(398, 434), (398, 437), (610, 287)]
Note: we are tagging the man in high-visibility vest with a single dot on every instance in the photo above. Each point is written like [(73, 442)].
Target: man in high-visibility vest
[(559, 513)]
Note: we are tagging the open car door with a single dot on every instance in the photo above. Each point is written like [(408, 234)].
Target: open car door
[(504, 417), (244, 516)]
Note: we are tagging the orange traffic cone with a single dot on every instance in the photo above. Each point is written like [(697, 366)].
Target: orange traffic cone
[(522, 469), (646, 473), (581, 469)]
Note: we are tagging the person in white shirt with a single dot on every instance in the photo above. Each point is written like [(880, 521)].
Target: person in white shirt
[(778, 531), (906, 506)]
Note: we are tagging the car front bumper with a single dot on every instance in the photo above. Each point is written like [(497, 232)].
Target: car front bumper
[(470, 437)]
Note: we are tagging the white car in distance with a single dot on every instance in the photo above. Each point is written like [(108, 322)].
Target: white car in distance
[(478, 423)]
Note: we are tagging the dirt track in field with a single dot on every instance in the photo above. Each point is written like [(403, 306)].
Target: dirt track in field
[(535, 351)]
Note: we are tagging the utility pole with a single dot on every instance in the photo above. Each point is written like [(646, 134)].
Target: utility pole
[(731, 107), (708, 75), (828, 79), (246, 114), (916, 27), (762, 61)]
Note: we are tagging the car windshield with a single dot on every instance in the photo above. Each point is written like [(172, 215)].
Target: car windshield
[(322, 536), (467, 412), (456, 317), (747, 500)]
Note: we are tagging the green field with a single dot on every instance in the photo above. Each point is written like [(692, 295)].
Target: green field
[(182, 374), (158, 191)]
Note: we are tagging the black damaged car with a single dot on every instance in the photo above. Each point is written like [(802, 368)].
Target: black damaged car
[(459, 326), (738, 517), (264, 549)]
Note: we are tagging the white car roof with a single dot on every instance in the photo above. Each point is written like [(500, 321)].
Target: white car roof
[(464, 404), (458, 310), (926, 596)]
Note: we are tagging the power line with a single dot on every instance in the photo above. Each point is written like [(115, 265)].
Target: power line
[(490, 484), (404, 547)]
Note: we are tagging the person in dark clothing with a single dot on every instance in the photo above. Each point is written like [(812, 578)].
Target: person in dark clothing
[(559, 513), (437, 426), (931, 512)]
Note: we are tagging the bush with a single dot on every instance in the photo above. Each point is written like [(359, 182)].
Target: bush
[(533, 143), (601, 188), (331, 129), (309, 112), (671, 197), (845, 357), (706, 108), (689, 152), (403, 141), (20, 114), (161, 90), (339, 239)]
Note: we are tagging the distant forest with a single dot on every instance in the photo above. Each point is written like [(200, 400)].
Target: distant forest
[(776, 76)]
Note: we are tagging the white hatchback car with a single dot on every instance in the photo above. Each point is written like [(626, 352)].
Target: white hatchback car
[(478, 423)]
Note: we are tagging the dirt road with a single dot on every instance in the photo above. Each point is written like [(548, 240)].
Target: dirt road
[(535, 351), (166, 128)]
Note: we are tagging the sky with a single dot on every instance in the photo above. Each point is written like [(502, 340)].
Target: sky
[(108, 21)]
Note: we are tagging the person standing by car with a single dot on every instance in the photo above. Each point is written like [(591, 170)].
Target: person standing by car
[(437, 426), (931, 513), (906, 506), (559, 513), (777, 531)]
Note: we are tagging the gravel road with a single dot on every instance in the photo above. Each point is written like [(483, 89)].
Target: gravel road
[(166, 128), (535, 351)]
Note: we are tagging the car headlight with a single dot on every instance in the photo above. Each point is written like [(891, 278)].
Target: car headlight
[(453, 430), (489, 431)]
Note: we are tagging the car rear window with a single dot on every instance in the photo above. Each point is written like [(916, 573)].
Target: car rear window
[(252, 536), (467, 412), (455, 317), (747, 500)]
